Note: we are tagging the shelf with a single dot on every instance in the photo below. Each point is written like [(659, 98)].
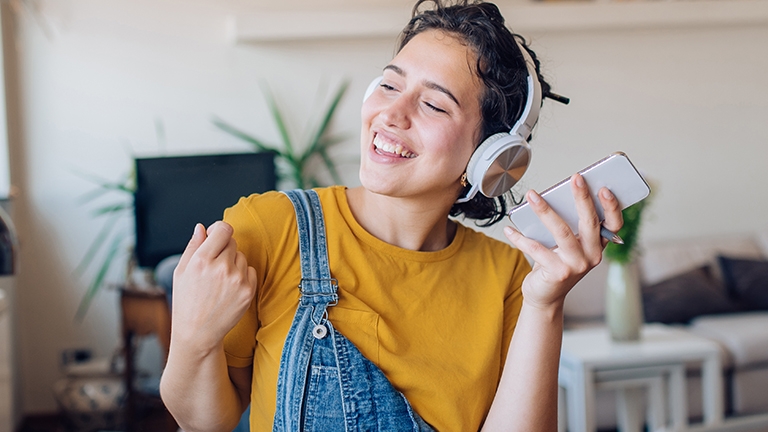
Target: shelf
[(267, 27)]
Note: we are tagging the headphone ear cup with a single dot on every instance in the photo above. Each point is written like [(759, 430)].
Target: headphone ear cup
[(498, 163), (479, 155), (372, 87)]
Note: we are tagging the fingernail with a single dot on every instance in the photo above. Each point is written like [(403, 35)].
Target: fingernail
[(607, 194), (198, 230), (533, 197), (579, 181), (509, 231)]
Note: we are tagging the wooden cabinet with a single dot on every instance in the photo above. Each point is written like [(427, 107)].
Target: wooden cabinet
[(144, 313)]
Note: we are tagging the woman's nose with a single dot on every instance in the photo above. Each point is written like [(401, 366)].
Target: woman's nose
[(397, 112)]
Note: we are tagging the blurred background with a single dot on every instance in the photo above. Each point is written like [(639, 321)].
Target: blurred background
[(680, 86)]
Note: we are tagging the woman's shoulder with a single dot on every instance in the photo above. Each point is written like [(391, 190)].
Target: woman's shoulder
[(257, 201), (264, 222), (273, 207), (258, 207)]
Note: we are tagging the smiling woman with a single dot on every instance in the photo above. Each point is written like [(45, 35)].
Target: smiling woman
[(375, 337), (428, 104)]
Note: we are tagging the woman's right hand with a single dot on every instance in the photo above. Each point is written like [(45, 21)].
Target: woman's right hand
[(212, 287)]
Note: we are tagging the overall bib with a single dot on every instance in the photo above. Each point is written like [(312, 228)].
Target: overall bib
[(325, 384)]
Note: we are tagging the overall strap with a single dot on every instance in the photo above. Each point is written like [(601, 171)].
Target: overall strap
[(318, 291), (317, 285)]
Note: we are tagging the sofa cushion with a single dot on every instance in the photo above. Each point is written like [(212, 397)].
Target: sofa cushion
[(683, 297), (747, 281), (664, 259), (742, 334), (660, 260)]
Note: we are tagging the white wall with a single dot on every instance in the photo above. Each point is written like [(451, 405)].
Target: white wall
[(688, 105)]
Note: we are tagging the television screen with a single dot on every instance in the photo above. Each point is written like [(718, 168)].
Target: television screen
[(175, 193)]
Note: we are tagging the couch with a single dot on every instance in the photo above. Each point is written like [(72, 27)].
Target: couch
[(716, 287)]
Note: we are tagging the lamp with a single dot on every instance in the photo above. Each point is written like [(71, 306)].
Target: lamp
[(7, 244)]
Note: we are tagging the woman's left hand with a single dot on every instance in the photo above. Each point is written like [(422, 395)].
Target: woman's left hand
[(557, 270)]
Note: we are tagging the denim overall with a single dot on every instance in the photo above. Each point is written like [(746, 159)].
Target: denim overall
[(325, 384)]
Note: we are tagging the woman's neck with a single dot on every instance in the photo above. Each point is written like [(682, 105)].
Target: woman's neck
[(407, 223)]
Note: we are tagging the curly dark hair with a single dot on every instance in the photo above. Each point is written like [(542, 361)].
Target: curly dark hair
[(500, 66)]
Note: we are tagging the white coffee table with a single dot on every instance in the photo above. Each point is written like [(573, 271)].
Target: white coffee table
[(654, 366)]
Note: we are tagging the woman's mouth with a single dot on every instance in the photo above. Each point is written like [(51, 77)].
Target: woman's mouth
[(387, 148)]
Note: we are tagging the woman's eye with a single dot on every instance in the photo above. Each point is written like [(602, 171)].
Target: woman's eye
[(434, 108), (386, 86)]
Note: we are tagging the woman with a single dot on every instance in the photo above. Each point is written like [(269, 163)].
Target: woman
[(451, 330)]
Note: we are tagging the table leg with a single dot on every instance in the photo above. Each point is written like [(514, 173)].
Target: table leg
[(575, 406), (581, 401), (629, 404), (562, 419), (130, 396), (712, 389), (657, 417), (678, 399)]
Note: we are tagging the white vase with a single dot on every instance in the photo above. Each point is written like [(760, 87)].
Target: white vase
[(624, 303)]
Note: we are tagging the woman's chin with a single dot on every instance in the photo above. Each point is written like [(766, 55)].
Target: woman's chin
[(378, 187)]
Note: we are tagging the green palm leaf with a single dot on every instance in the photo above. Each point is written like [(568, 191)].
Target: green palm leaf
[(112, 208), (291, 164), (330, 165), (257, 143), (95, 246), (629, 232), (325, 143), (277, 116), (93, 288), (326, 121), (104, 186)]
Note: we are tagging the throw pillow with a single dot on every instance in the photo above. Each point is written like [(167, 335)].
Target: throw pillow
[(747, 281), (683, 297)]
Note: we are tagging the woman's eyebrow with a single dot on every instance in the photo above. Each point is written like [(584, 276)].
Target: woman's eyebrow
[(435, 86), (429, 84)]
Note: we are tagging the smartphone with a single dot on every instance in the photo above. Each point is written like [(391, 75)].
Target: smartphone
[(616, 172)]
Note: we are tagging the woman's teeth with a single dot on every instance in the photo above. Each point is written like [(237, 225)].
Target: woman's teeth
[(393, 149)]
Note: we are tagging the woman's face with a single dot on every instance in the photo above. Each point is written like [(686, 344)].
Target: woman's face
[(421, 125)]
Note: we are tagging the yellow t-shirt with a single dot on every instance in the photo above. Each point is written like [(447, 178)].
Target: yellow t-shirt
[(438, 324)]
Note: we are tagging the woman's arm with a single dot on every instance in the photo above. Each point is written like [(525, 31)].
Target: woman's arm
[(526, 399), (213, 287), (202, 393)]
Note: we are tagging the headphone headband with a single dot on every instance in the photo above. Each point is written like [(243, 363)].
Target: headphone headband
[(530, 115), (499, 162)]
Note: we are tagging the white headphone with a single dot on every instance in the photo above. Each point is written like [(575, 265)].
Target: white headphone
[(501, 160)]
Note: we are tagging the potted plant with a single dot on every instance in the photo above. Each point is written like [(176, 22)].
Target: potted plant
[(624, 307), (111, 245), (110, 242), (294, 160)]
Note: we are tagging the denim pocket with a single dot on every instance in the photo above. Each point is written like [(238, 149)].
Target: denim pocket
[(323, 401)]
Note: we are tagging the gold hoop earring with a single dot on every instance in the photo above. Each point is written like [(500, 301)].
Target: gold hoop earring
[(464, 180)]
